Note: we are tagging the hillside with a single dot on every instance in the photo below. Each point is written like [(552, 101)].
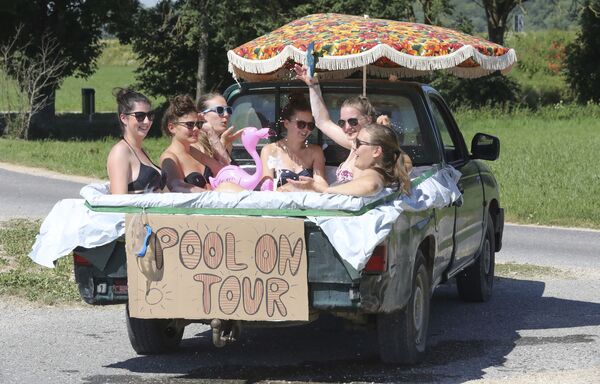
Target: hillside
[(538, 14)]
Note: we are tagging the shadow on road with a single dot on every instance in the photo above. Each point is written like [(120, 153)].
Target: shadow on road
[(464, 340)]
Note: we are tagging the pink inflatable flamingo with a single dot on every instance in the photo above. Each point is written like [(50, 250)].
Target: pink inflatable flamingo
[(237, 175)]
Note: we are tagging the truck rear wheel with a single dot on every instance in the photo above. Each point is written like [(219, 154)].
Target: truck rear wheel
[(153, 336), (402, 335), (476, 281)]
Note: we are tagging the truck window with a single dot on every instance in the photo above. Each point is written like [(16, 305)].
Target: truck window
[(401, 111), (254, 111), (451, 142), (260, 110)]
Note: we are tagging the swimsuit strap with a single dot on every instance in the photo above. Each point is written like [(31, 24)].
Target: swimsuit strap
[(133, 150), (136, 156)]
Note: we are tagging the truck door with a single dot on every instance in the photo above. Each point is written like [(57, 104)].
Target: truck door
[(468, 227)]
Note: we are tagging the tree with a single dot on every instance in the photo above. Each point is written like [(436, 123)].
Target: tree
[(433, 9), (496, 12), (393, 10), (29, 77), (183, 44), (583, 54), (75, 26)]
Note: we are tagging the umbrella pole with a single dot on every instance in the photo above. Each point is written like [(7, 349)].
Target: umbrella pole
[(365, 72), (364, 81)]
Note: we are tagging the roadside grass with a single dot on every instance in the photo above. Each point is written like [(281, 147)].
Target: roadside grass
[(21, 277), (547, 168), (524, 271), (84, 158)]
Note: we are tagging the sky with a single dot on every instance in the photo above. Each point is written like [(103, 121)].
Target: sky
[(148, 3)]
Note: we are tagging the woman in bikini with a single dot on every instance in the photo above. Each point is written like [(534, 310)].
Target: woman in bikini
[(187, 168), (355, 113), (378, 163), (129, 167), (292, 156)]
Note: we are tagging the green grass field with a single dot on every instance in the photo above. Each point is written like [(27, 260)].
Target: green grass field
[(116, 67), (547, 167)]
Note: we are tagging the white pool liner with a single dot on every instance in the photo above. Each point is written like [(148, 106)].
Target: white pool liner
[(72, 224)]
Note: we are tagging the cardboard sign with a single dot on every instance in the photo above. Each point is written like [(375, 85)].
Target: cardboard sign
[(205, 267)]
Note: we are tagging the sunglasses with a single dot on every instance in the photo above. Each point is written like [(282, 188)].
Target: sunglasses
[(190, 124), (141, 116), (301, 124), (358, 142), (353, 122), (220, 110)]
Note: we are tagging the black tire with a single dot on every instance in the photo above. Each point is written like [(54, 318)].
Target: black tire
[(402, 335), (475, 283), (153, 336)]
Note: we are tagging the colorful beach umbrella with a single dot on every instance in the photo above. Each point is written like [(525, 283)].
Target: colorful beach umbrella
[(344, 44)]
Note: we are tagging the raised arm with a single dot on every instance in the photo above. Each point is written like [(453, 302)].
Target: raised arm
[(319, 109)]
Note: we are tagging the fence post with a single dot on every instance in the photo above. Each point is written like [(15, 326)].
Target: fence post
[(88, 102)]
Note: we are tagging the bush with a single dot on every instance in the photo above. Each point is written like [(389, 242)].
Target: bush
[(582, 68), (495, 89)]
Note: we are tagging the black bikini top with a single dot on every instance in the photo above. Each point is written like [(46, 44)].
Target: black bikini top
[(149, 178), (198, 179), (286, 174)]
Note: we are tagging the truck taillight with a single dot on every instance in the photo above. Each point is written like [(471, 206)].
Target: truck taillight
[(378, 261), (120, 286), (80, 260)]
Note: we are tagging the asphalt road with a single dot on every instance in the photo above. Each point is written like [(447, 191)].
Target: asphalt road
[(537, 328), (26, 192)]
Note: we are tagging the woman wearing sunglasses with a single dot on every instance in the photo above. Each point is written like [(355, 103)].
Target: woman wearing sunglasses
[(214, 110), (378, 163), (129, 167), (187, 168), (355, 113), (292, 156)]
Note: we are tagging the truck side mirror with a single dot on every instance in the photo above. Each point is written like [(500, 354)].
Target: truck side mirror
[(485, 147)]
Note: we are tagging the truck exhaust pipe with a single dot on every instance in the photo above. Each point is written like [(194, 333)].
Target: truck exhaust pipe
[(224, 332)]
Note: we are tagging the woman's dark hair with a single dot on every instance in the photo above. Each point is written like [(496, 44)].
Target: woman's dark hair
[(363, 105), (391, 165), (296, 103), (179, 106), (126, 99)]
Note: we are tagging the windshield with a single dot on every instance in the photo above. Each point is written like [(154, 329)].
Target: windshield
[(262, 110)]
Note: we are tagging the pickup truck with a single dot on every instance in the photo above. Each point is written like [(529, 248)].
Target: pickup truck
[(423, 250)]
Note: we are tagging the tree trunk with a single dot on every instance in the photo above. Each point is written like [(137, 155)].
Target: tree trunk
[(201, 72), (42, 123), (496, 33), (496, 13)]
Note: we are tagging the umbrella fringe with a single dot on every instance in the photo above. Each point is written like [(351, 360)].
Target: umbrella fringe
[(355, 61)]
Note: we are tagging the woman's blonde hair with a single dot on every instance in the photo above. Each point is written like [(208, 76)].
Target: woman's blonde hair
[(391, 164), (363, 105)]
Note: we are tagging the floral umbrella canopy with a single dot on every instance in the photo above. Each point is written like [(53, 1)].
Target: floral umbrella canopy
[(345, 44)]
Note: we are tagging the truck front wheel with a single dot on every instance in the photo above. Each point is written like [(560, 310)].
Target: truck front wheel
[(476, 281), (153, 336), (402, 335)]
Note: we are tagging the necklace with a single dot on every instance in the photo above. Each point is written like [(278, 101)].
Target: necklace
[(293, 157)]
